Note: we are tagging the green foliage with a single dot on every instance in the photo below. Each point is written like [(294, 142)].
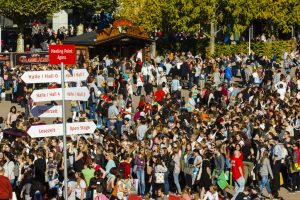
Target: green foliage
[(263, 48), (149, 13), (193, 45), (22, 11)]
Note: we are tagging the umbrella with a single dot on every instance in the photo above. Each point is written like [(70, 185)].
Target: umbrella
[(15, 132)]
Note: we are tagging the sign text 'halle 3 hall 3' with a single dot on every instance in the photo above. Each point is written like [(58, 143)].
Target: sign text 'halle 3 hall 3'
[(59, 54)]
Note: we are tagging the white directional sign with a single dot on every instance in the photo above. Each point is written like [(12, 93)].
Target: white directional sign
[(74, 93), (47, 111), (51, 130), (81, 128), (54, 76), (77, 93), (54, 130)]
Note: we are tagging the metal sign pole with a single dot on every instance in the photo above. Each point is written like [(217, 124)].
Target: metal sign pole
[(64, 131), (0, 39)]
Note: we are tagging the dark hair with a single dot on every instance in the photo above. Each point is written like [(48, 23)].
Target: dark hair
[(11, 109), (9, 155)]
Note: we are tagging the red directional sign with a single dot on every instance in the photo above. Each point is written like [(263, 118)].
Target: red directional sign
[(62, 54)]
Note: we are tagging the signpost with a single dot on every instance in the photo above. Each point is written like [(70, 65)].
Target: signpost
[(54, 76), (59, 55), (57, 94), (46, 111), (53, 130), (64, 55)]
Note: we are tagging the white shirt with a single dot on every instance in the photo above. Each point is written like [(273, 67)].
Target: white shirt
[(210, 196), (72, 186), (9, 170), (78, 188), (168, 68)]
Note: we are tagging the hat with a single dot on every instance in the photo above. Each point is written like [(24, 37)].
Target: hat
[(142, 114), (171, 119)]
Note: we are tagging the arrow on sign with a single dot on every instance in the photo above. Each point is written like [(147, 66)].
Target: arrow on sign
[(77, 93), (74, 93), (54, 76), (47, 111), (51, 130), (47, 95), (81, 128), (54, 130)]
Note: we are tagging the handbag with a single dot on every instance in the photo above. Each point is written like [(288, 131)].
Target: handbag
[(149, 169), (159, 177)]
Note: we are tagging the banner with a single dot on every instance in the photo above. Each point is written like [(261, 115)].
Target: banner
[(31, 58), (4, 57)]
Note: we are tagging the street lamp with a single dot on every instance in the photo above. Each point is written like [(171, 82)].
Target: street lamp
[(250, 37)]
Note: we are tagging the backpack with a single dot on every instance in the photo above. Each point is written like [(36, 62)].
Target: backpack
[(172, 165), (105, 109), (121, 170), (116, 160)]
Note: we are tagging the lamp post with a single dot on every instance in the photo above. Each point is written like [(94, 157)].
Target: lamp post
[(250, 37)]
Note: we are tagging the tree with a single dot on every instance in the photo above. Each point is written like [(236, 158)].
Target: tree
[(280, 14), (148, 13), (20, 11), (211, 16)]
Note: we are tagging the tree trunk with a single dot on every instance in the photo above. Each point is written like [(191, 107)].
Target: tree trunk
[(212, 38)]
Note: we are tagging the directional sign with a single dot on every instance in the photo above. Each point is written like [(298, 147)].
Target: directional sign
[(54, 76), (55, 130), (81, 128), (74, 93), (47, 95), (77, 93), (51, 130), (47, 111), (62, 54)]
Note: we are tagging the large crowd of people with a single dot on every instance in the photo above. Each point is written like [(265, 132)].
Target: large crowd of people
[(176, 125)]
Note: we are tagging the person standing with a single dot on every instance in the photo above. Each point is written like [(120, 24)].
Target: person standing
[(5, 186), (228, 74), (265, 171), (9, 167), (237, 173), (277, 156), (92, 103)]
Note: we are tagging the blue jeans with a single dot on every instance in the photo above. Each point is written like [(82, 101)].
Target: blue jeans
[(239, 186), (141, 176), (176, 180), (83, 105), (92, 110), (166, 183), (228, 82), (264, 182)]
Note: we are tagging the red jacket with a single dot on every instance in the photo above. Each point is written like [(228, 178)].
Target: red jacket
[(159, 95), (5, 188), (235, 164), (126, 169)]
